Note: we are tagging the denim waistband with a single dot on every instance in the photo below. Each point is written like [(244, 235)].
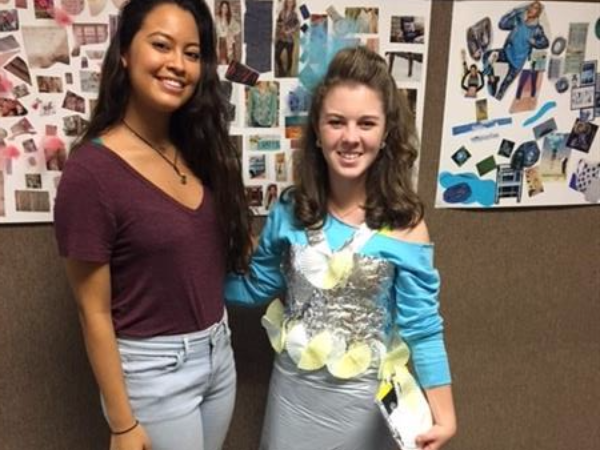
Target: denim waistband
[(188, 342)]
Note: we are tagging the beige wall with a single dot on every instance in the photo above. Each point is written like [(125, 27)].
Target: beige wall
[(521, 298)]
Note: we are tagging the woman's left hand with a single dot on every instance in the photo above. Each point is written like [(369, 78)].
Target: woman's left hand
[(444, 419), (435, 438)]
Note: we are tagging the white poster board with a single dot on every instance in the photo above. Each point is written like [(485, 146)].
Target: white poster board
[(522, 106)]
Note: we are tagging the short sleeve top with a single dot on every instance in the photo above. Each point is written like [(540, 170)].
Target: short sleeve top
[(167, 261)]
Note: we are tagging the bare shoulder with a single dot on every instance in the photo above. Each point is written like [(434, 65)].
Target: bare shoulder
[(419, 234)]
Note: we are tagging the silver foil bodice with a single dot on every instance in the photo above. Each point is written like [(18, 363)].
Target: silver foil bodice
[(359, 309)]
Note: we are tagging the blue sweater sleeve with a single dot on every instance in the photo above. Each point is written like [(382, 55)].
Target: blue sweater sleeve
[(264, 280), (421, 326), (540, 41), (512, 18)]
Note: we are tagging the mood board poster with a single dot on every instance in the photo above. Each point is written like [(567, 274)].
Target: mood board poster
[(271, 54), (522, 106), (50, 58)]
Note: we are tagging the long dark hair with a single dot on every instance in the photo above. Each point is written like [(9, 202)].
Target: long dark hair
[(199, 128), (391, 200)]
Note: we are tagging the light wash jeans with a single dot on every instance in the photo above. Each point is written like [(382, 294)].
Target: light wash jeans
[(182, 388)]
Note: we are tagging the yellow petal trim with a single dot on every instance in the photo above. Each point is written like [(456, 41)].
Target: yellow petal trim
[(275, 311), (354, 362), (339, 268), (316, 352), (394, 361), (272, 322)]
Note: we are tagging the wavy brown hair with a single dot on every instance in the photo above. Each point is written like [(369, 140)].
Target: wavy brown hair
[(199, 128), (391, 200)]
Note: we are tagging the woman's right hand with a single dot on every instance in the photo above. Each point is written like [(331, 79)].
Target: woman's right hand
[(136, 439)]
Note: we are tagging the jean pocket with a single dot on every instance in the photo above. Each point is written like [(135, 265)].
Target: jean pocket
[(140, 365)]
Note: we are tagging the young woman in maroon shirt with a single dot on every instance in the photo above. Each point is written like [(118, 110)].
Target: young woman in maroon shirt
[(150, 214)]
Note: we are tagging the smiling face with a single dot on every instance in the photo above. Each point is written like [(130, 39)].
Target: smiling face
[(351, 129), (163, 60)]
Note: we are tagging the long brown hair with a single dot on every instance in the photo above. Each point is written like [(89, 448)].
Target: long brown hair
[(391, 200)]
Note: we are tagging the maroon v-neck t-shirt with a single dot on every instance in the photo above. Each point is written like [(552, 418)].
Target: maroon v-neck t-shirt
[(167, 261)]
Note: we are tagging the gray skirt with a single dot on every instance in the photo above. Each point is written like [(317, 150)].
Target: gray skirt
[(315, 411)]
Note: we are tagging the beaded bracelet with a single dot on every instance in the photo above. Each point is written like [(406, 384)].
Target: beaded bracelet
[(131, 428)]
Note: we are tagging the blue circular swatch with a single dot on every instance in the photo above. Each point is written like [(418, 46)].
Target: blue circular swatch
[(458, 193)]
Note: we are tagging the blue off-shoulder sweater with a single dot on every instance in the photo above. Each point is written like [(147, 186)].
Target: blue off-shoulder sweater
[(415, 288)]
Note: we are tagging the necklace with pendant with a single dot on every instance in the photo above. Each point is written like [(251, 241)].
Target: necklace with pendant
[(160, 151), (340, 214)]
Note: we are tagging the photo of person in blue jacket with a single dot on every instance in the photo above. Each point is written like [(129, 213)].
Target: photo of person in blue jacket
[(526, 34)]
